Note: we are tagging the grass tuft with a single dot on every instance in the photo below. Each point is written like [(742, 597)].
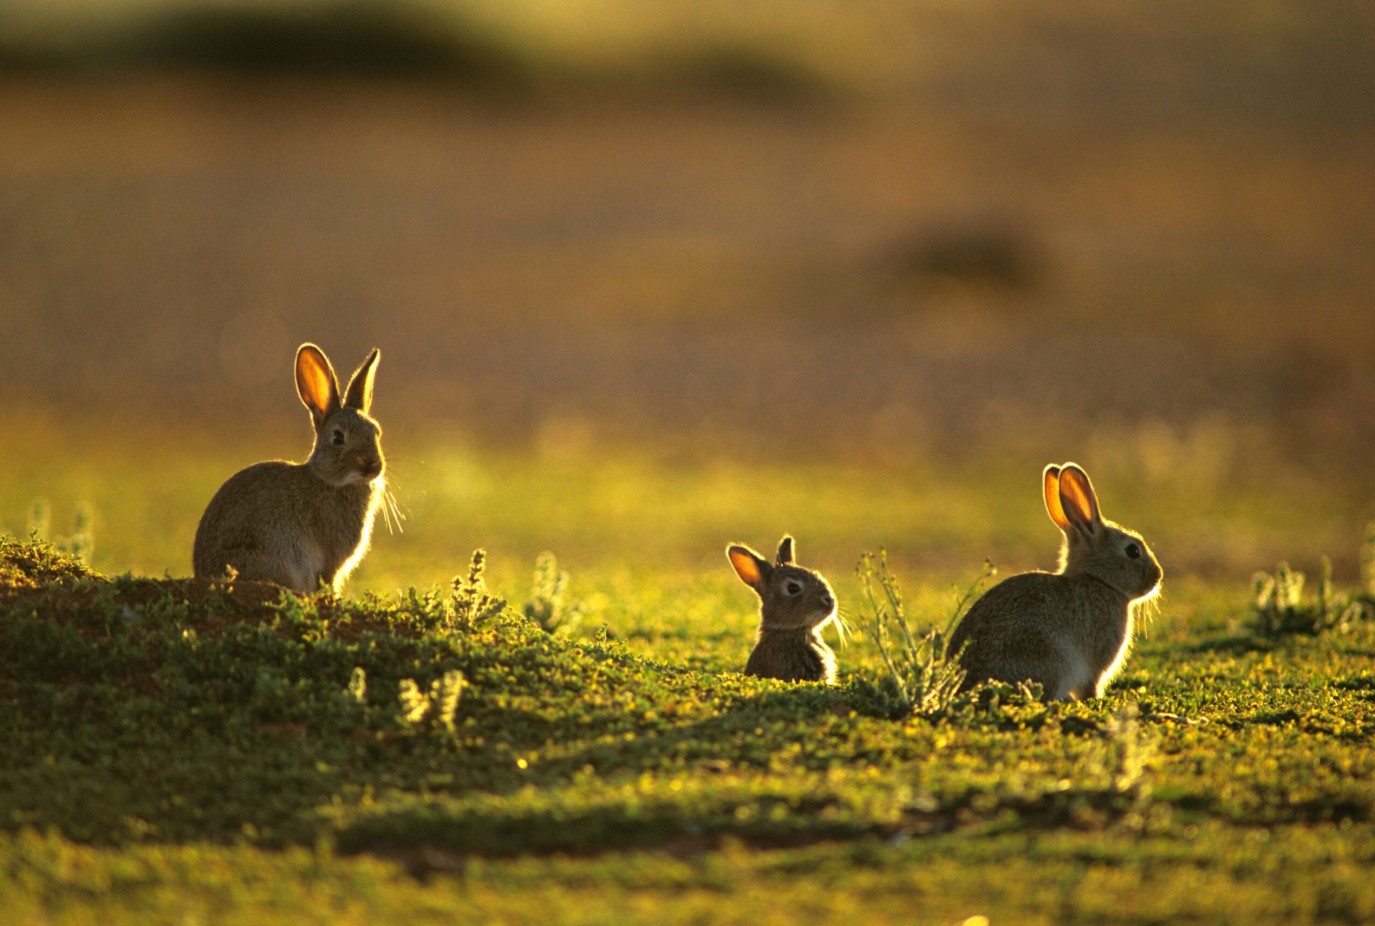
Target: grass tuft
[(35, 562), (79, 543), (472, 603), (1129, 754), (434, 709), (1368, 561), (920, 674), (1280, 608), (548, 605)]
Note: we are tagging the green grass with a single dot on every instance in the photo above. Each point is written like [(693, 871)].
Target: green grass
[(176, 752)]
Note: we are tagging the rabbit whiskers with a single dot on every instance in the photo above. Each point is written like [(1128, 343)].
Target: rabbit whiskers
[(391, 512), (1147, 609), (843, 625)]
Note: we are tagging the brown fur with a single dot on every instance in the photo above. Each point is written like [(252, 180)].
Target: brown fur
[(1070, 631), (795, 603), (303, 525)]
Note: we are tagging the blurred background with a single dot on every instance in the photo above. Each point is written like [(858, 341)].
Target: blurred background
[(648, 277)]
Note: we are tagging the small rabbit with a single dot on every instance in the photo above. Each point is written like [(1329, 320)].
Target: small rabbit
[(303, 525), (1070, 630), (795, 603)]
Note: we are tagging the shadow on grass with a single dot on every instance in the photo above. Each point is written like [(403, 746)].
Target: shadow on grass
[(1240, 644)]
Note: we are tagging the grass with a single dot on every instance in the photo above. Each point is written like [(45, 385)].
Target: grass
[(1280, 606), (922, 675), (178, 751)]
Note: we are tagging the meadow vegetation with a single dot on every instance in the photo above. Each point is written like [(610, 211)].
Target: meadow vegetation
[(177, 748)]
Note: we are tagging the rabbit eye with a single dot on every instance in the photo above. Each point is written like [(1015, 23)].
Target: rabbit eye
[(338, 437), (1133, 551), (793, 588)]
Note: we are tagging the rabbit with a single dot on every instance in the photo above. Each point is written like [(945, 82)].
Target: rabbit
[(1070, 630), (795, 603), (303, 525)]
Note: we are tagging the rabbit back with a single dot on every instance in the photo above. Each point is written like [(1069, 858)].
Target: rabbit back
[(280, 522), (1069, 633)]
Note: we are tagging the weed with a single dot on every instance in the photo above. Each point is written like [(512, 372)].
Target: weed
[(434, 709), (39, 520), (472, 603), (1368, 562), (37, 562), (1128, 754), (80, 543), (358, 685), (921, 677), (1280, 608), (548, 605)]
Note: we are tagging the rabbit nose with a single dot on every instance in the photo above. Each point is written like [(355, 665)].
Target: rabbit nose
[(827, 601)]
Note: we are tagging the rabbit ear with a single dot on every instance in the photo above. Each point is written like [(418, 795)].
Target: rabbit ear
[(1079, 501), (359, 393), (785, 550), (1051, 486), (315, 382), (752, 568)]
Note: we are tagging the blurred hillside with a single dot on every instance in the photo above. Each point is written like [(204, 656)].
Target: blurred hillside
[(1132, 233), (1119, 61)]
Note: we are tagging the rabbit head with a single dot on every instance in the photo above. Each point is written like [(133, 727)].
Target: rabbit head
[(793, 598), (1093, 545), (348, 443)]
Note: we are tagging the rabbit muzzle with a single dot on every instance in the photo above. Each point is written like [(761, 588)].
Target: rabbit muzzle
[(350, 471), (1151, 581), (369, 469), (363, 472)]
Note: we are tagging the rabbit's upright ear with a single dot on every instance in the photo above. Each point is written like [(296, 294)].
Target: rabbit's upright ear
[(359, 393), (785, 550), (1051, 487), (315, 382), (1079, 501), (752, 568)]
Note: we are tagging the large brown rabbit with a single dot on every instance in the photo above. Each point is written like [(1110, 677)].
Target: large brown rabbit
[(795, 603), (1070, 630), (303, 525)]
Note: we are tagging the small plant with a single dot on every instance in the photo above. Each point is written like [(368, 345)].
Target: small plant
[(33, 562), (79, 543), (548, 605), (922, 677), (435, 708), (472, 603), (1128, 754), (1280, 607), (358, 685), (39, 519), (1368, 563)]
